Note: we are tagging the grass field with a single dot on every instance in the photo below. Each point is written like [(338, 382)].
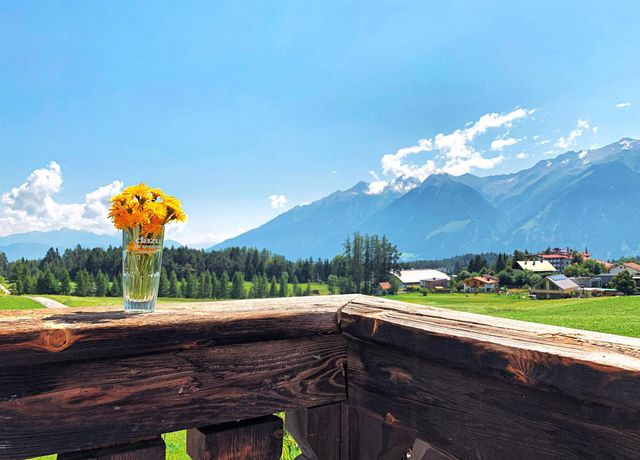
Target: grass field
[(72, 301), (10, 302), (614, 315)]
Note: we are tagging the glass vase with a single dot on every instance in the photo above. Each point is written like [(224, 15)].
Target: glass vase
[(141, 265)]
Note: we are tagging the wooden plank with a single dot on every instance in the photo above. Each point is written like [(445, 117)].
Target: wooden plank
[(373, 438), (40, 336), (317, 430), (84, 404), (471, 415), (150, 449), (581, 363), (422, 450), (254, 439)]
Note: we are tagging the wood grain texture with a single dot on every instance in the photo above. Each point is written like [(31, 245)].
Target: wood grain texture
[(317, 430), (150, 449), (41, 336), (254, 439), (84, 404), (422, 450), (581, 363), (373, 438), (471, 415)]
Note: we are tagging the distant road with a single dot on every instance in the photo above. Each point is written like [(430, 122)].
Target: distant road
[(49, 303)]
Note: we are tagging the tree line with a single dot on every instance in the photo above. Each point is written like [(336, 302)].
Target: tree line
[(236, 272)]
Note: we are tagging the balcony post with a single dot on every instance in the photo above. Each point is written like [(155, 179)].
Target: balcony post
[(254, 439), (317, 430)]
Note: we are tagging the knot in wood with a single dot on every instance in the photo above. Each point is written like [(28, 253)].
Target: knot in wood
[(58, 338), (391, 420)]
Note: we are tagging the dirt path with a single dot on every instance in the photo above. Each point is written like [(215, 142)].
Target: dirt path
[(49, 303)]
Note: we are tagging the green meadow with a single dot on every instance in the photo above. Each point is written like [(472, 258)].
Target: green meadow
[(613, 315)]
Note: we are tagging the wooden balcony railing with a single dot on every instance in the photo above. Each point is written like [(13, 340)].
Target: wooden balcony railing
[(359, 378)]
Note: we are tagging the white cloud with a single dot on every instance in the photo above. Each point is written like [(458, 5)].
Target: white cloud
[(278, 201), (500, 144), (32, 207), (622, 105), (522, 156), (572, 138), (453, 153), (544, 142), (548, 152)]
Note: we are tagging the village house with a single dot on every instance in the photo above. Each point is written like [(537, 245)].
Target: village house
[(537, 266), (554, 287), (482, 283), (601, 280), (559, 261), (584, 281), (427, 278), (561, 258), (631, 267)]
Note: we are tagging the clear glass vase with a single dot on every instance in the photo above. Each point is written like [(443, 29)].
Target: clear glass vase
[(141, 265)]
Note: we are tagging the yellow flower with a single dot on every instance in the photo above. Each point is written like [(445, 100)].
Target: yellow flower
[(146, 208)]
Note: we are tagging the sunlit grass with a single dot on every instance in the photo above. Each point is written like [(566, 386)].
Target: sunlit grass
[(613, 315), (13, 302)]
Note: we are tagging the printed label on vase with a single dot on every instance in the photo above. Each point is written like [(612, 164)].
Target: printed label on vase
[(147, 245)]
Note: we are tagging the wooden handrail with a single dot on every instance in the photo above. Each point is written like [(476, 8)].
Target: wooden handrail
[(391, 374)]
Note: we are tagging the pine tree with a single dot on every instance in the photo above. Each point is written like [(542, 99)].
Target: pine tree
[(4, 264), (82, 283), (204, 288), (164, 288), (191, 287), (174, 286), (215, 286), (284, 285), (273, 288), (237, 288), (116, 287), (65, 282), (297, 292), (102, 284), (47, 283), (223, 287)]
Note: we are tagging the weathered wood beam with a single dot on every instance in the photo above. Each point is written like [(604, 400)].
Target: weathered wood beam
[(150, 449), (374, 438), (74, 405), (253, 439), (42, 336), (580, 363), (471, 415), (317, 430), (422, 450)]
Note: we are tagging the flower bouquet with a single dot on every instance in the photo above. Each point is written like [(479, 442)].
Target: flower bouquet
[(141, 213)]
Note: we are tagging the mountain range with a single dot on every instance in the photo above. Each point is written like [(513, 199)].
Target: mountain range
[(580, 199)]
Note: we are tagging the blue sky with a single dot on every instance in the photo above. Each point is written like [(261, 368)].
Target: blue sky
[(226, 104)]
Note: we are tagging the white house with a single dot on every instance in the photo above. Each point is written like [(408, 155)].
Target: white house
[(631, 267), (427, 278), (537, 266)]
